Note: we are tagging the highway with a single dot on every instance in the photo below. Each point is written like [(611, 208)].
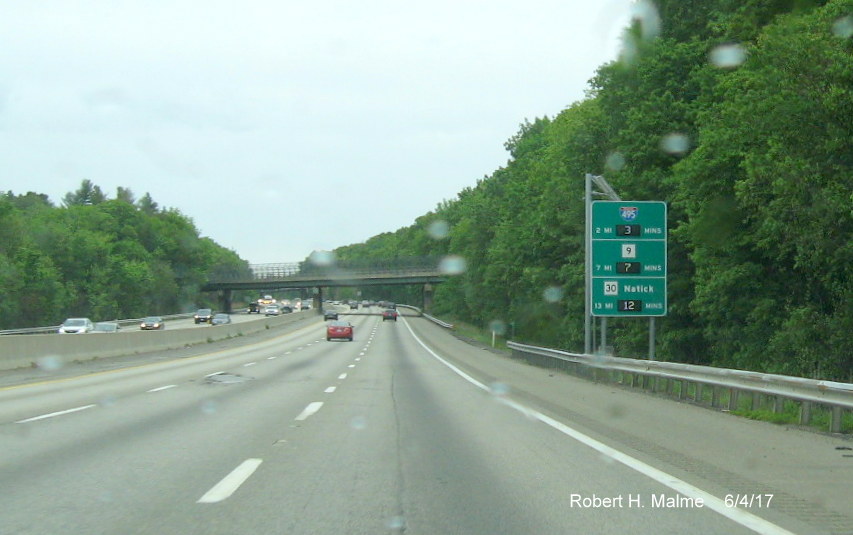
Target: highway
[(238, 316), (405, 430)]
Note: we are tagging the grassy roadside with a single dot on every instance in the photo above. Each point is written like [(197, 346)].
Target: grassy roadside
[(478, 335), (764, 408)]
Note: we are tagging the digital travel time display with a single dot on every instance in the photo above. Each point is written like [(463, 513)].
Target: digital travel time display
[(628, 258)]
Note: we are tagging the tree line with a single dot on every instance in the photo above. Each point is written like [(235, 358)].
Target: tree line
[(738, 114), (102, 258)]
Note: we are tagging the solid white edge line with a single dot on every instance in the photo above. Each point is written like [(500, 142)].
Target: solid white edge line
[(312, 407), (231, 482), (161, 388), (744, 518), (52, 414)]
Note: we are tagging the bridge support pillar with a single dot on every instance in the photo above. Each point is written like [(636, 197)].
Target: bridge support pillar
[(225, 299), (318, 301), (428, 292)]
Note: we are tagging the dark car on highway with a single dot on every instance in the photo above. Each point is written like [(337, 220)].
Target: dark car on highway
[(152, 323), (330, 315), (204, 315), (221, 319)]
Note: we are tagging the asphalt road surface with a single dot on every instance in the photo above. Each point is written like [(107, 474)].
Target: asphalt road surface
[(404, 430)]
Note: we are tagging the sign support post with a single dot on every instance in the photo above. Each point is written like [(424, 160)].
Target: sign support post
[(587, 255), (651, 338)]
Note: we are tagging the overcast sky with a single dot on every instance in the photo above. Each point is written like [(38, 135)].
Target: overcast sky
[(282, 127)]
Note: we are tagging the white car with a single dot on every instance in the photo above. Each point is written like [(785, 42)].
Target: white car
[(272, 310), (76, 326)]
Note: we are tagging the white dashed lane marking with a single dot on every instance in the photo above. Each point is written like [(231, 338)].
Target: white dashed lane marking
[(161, 388), (309, 410), (52, 414), (231, 482)]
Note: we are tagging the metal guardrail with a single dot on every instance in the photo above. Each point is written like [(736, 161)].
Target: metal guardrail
[(837, 396), (438, 321), (427, 316), (54, 329)]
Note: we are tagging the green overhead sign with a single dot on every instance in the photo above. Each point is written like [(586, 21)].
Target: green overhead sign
[(628, 258)]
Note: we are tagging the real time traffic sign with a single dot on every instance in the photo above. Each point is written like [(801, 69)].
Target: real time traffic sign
[(628, 258)]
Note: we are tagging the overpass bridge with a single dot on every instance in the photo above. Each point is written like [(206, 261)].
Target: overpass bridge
[(425, 271)]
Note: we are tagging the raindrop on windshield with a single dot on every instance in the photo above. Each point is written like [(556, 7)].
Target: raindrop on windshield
[(322, 258), (629, 50), (358, 423), (553, 294), (646, 14), (397, 523), (615, 161), (452, 265), (728, 56), (50, 363), (438, 230), (499, 389), (675, 143), (208, 406), (843, 27)]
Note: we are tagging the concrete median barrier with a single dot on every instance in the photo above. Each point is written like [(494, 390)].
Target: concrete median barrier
[(25, 351)]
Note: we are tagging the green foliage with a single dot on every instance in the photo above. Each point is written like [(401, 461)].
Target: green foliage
[(98, 257), (759, 189)]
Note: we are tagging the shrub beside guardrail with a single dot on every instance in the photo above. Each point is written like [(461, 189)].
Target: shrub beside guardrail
[(838, 397)]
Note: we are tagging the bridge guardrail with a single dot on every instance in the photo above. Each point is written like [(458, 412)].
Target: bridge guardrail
[(837, 396)]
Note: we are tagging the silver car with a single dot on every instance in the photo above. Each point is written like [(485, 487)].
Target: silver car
[(76, 326)]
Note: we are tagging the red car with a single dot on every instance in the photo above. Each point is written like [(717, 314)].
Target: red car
[(339, 329), (389, 314)]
